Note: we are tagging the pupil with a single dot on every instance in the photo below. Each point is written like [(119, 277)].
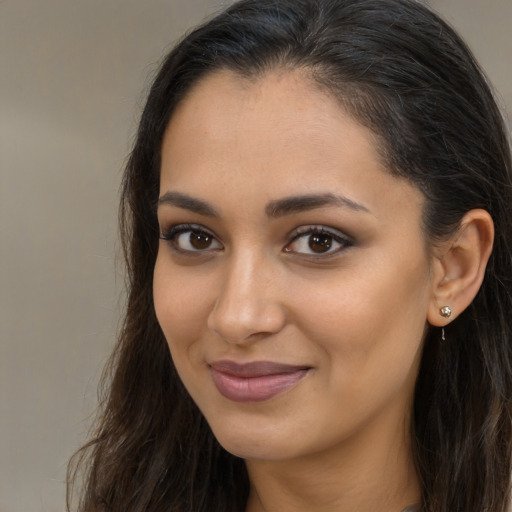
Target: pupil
[(320, 242), (200, 240)]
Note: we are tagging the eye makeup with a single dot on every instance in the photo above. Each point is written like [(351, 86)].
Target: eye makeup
[(190, 239), (314, 242), (318, 241)]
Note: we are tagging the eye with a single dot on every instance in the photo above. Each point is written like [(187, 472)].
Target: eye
[(190, 238), (318, 241)]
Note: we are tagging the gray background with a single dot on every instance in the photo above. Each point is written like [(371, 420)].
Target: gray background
[(72, 81)]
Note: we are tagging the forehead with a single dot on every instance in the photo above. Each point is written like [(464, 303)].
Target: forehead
[(276, 135), (280, 112)]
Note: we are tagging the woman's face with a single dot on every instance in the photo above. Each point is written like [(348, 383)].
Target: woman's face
[(292, 279)]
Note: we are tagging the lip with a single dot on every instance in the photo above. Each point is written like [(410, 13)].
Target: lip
[(255, 381)]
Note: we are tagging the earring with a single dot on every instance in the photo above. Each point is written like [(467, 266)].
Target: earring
[(446, 311)]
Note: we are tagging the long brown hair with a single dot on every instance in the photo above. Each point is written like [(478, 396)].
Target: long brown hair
[(403, 72)]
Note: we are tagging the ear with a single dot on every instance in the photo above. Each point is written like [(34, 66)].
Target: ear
[(459, 267)]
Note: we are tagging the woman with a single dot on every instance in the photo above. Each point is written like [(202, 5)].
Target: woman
[(316, 218)]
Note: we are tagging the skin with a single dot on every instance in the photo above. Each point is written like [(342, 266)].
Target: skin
[(356, 316)]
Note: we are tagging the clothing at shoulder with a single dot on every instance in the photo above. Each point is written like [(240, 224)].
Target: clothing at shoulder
[(412, 508)]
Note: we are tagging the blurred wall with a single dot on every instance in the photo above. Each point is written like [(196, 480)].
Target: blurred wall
[(72, 78)]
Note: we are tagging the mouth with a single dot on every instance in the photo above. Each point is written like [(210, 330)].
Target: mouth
[(255, 381)]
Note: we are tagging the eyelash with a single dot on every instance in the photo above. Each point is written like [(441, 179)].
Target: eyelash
[(309, 231), (171, 235)]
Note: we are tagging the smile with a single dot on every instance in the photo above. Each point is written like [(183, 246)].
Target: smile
[(256, 381)]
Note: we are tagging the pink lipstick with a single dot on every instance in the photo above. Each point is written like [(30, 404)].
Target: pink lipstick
[(256, 381)]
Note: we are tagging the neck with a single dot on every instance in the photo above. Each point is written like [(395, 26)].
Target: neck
[(373, 470)]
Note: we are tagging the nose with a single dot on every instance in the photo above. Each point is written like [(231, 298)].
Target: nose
[(249, 304)]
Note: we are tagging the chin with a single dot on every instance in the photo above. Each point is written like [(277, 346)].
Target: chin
[(257, 451), (253, 444)]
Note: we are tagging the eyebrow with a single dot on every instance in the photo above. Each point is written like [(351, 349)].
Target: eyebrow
[(297, 204), (188, 203), (274, 209)]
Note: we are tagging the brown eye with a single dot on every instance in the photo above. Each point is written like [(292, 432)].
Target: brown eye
[(186, 238), (200, 240), (320, 242)]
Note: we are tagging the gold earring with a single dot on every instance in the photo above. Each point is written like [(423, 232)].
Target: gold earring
[(446, 311)]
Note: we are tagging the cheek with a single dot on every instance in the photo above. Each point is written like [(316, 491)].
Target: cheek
[(370, 349), (181, 305), (367, 318)]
